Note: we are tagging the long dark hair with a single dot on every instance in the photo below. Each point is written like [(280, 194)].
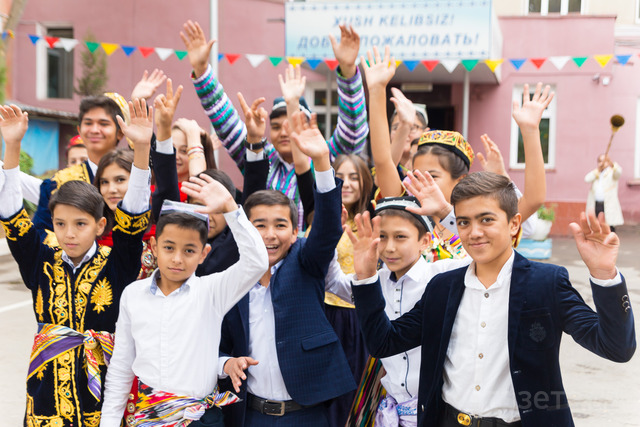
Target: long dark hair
[(364, 177)]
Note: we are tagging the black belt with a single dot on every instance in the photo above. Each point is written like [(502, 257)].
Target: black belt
[(465, 419), (272, 407)]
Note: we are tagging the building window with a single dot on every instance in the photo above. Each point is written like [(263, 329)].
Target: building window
[(562, 7), (59, 66), (316, 97), (547, 135)]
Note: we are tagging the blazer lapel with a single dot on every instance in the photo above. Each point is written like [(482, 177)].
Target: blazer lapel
[(243, 309), (517, 295), (453, 303)]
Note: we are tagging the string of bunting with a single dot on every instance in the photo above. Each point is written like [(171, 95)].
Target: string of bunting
[(559, 62)]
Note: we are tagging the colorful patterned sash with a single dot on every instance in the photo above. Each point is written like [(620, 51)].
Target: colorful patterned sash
[(394, 414), (53, 340), (162, 409)]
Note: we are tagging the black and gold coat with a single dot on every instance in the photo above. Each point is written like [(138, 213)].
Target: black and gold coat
[(58, 395)]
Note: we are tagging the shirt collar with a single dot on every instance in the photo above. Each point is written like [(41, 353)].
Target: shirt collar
[(153, 287), (503, 277), (92, 166), (415, 273), (90, 253)]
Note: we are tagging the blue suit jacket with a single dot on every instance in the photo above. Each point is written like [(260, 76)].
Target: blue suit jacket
[(313, 364), (542, 305)]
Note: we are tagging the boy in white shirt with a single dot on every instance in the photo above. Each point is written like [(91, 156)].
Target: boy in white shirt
[(168, 331)]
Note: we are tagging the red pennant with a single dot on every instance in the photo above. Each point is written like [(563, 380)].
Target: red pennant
[(538, 62), (146, 51), (331, 63), (51, 41), (430, 65), (232, 57)]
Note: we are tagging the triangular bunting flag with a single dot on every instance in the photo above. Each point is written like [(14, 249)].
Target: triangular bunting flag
[(51, 41), (411, 65), (430, 64), (450, 64), (603, 60), (517, 63), (493, 64), (163, 52), (559, 61), (109, 48), (398, 62), (181, 54), (469, 64), (68, 44), (34, 39), (538, 62), (275, 60), (579, 60), (313, 63), (146, 51), (92, 46), (220, 56), (5, 34), (331, 63), (254, 59), (623, 59), (128, 50), (11, 34), (232, 57), (295, 60)]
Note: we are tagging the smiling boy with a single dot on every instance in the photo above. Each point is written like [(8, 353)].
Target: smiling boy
[(490, 333)]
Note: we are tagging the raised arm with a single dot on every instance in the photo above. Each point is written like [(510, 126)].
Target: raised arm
[(292, 87), (148, 84), (528, 118), (351, 131), (378, 72), (406, 115)]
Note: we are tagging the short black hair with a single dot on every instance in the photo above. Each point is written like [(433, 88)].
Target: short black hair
[(80, 195), (272, 198), (487, 184), (407, 216), (107, 104), (185, 221)]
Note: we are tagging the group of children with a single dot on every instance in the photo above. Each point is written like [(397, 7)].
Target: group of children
[(156, 312)]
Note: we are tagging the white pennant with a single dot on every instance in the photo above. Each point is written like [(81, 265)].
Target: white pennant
[(164, 52), (450, 64), (559, 61), (254, 59), (67, 44)]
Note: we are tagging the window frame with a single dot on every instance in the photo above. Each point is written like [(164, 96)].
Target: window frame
[(42, 61), (564, 7), (310, 97)]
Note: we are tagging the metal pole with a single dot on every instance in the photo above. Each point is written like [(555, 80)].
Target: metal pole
[(465, 105), (327, 117)]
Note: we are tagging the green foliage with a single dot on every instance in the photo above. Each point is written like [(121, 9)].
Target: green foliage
[(94, 71), (26, 163), (547, 213)]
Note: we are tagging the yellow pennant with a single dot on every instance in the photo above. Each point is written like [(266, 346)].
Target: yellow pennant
[(295, 60), (109, 48), (398, 62), (493, 64), (603, 60)]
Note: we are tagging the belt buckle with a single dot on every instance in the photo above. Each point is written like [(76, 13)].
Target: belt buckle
[(276, 407), (463, 419)]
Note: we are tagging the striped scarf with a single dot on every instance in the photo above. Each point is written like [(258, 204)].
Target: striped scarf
[(53, 340), (161, 409)]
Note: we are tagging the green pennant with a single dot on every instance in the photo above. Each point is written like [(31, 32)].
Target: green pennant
[(181, 54), (579, 60), (92, 46), (275, 60), (469, 64)]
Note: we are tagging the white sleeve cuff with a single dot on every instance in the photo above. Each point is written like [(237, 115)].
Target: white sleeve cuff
[(367, 281), (449, 222), (136, 199), (221, 361), (165, 147), (325, 181), (11, 193), (254, 157), (607, 282)]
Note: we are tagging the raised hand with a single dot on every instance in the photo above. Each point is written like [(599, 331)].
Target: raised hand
[(492, 161), (529, 114), (404, 107), (293, 84), (379, 70), (346, 51), (198, 48), (191, 128), (424, 188), (148, 84), (214, 195), (165, 106), (365, 245), (13, 124), (308, 138), (255, 118), (141, 128), (597, 244), (235, 368)]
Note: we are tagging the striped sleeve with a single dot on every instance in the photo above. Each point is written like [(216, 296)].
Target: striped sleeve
[(223, 116), (352, 129)]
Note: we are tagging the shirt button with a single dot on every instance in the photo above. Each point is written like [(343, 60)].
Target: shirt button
[(481, 355), (404, 357), (477, 388), (483, 324), (486, 294), (402, 385)]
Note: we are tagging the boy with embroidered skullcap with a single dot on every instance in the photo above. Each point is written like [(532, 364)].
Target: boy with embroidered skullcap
[(76, 286), (168, 332)]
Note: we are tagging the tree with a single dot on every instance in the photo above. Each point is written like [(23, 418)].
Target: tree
[(17, 7), (94, 70)]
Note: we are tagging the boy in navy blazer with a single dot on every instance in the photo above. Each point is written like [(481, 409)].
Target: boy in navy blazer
[(490, 332), (278, 333)]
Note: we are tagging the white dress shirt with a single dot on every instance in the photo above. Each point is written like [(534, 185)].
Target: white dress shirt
[(171, 342)]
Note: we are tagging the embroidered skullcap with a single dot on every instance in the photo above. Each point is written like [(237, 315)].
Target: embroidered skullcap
[(76, 141), (401, 204), (124, 109), (450, 140), (280, 108)]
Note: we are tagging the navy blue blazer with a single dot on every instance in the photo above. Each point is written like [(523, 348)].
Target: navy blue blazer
[(314, 366), (542, 305)]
